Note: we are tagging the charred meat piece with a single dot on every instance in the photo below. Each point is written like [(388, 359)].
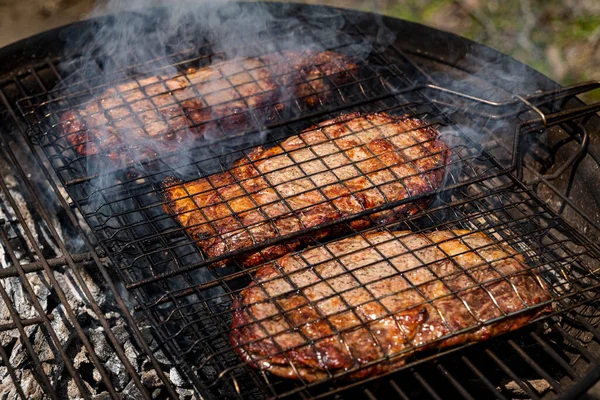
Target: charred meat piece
[(379, 298), (148, 116), (339, 168)]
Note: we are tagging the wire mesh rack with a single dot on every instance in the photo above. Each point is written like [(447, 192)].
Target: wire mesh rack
[(188, 294)]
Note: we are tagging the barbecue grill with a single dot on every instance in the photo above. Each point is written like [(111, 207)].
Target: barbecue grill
[(523, 170)]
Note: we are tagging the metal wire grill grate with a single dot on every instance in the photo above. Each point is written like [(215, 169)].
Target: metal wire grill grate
[(50, 304), (232, 98), (511, 217), (190, 299)]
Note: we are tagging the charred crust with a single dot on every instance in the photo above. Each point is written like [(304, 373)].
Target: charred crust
[(166, 192), (68, 117), (170, 181), (339, 119)]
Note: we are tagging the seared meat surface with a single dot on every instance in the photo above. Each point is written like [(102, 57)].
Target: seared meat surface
[(381, 297), (339, 168), (148, 116)]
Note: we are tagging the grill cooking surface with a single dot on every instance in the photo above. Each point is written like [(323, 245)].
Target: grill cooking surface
[(138, 201), (342, 167), (163, 113), (378, 297)]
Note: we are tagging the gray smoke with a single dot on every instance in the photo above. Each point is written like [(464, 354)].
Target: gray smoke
[(137, 40), (146, 38)]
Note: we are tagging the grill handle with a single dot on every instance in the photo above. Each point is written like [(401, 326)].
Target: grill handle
[(548, 120), (518, 103)]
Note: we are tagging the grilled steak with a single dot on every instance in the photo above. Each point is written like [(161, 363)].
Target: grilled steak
[(378, 298), (147, 116), (341, 167)]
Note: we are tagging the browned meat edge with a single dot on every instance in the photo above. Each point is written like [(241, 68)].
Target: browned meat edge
[(371, 160), (381, 320), (148, 117)]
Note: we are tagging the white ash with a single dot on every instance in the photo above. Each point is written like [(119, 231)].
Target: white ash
[(27, 382), (119, 375), (187, 394), (52, 363), (539, 386), (176, 378)]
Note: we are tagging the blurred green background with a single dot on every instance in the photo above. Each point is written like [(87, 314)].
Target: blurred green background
[(559, 38)]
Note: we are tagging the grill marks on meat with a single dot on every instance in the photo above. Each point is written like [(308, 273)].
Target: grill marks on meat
[(379, 298), (145, 117), (341, 167)]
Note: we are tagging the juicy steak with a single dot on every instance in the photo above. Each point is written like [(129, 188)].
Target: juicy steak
[(379, 298), (145, 117), (339, 168)]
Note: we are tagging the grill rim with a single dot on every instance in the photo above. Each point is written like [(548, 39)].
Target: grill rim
[(50, 43), (57, 30)]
